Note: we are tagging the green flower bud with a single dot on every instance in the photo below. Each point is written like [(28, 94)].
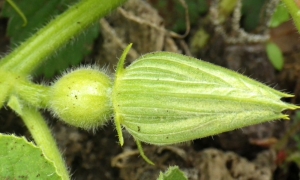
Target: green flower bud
[(82, 98), (165, 98)]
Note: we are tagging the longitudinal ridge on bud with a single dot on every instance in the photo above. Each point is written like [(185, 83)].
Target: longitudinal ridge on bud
[(165, 98)]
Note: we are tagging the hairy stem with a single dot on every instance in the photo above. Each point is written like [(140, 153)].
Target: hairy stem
[(12, 83), (44, 139), (294, 11), (41, 134), (57, 33)]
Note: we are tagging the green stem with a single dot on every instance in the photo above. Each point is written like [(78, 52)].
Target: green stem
[(57, 33), (44, 139), (14, 84), (4, 94), (41, 134), (294, 11), (35, 95)]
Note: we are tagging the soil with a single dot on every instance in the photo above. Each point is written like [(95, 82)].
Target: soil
[(253, 153)]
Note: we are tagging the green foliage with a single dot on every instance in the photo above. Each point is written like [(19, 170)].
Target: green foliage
[(251, 13), (275, 55), (293, 9), (280, 16), (175, 10), (16, 8), (173, 173), (70, 55), (196, 8), (38, 14), (21, 159)]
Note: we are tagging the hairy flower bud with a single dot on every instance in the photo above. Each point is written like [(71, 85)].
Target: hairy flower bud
[(166, 98)]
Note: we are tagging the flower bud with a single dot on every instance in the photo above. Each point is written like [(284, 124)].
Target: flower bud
[(165, 98)]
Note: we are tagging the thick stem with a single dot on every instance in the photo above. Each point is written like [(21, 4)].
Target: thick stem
[(57, 33), (12, 83), (294, 11), (35, 95)]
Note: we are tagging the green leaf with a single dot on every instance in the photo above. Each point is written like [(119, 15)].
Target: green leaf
[(251, 13), (173, 173), (275, 55), (280, 16), (38, 13), (21, 159), (177, 11), (71, 55)]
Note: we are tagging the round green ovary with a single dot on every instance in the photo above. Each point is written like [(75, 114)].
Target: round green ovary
[(82, 98)]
